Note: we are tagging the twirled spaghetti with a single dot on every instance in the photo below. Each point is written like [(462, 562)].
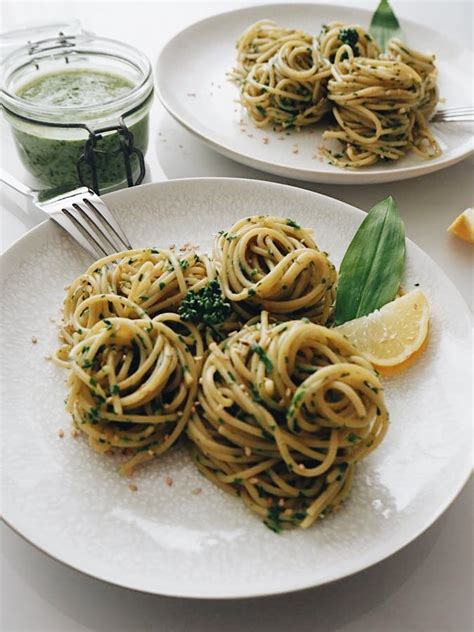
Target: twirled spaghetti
[(282, 76), (284, 412), (381, 102), (336, 34), (379, 106), (278, 409), (132, 384), (272, 263), (132, 284), (262, 40)]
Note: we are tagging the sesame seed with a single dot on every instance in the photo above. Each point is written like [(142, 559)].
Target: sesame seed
[(74, 433), (34, 339), (61, 433), (150, 453), (281, 502), (168, 481), (253, 480), (248, 451), (132, 487), (196, 491), (265, 140)]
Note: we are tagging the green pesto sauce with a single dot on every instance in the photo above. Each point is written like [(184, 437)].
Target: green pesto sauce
[(53, 159), (75, 88)]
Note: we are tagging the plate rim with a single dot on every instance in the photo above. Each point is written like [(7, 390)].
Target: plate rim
[(345, 177), (376, 555)]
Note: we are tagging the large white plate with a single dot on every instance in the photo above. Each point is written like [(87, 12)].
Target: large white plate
[(71, 503), (195, 62)]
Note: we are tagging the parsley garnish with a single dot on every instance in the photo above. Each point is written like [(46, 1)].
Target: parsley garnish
[(349, 37), (205, 306)]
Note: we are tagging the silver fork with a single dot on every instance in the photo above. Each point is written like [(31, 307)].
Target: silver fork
[(81, 213), (459, 115)]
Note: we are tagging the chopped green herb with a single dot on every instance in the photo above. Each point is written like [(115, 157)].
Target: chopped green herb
[(273, 521), (205, 306), (263, 357)]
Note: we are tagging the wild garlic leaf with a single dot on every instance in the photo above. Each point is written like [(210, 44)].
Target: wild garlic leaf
[(372, 267)]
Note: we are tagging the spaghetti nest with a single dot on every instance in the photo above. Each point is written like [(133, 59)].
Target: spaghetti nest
[(380, 106), (132, 284), (272, 263), (381, 102), (282, 76), (284, 412), (261, 41), (132, 384)]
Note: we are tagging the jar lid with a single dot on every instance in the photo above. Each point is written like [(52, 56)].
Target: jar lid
[(64, 52)]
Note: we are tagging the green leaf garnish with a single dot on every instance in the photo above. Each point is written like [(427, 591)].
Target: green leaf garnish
[(384, 24), (372, 267)]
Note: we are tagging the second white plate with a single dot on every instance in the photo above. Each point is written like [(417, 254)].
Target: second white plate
[(193, 87)]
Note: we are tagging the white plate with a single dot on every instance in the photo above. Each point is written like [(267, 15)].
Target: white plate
[(71, 503), (195, 62)]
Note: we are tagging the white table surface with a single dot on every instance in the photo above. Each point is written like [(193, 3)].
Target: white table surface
[(425, 587)]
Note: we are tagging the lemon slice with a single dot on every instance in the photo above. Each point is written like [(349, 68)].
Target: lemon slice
[(463, 226), (393, 336)]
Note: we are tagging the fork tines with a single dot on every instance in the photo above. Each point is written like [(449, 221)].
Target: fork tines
[(88, 220)]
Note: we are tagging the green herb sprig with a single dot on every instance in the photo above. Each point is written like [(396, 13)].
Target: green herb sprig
[(372, 267), (206, 306)]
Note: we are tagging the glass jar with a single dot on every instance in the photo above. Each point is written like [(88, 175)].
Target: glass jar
[(69, 142)]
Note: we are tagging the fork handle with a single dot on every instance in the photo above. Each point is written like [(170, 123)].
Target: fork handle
[(15, 184)]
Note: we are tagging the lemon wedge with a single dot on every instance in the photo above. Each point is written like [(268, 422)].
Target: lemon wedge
[(392, 337), (463, 226)]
